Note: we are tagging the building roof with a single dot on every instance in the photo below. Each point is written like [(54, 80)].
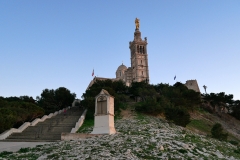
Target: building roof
[(122, 67), (101, 79), (103, 91)]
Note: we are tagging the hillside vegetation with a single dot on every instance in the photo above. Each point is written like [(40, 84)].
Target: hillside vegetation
[(138, 137), (173, 101), (14, 111), (176, 104)]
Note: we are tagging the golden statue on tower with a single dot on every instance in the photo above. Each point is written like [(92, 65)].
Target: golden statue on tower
[(137, 23)]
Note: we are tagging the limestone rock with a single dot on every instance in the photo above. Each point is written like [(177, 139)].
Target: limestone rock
[(185, 146), (204, 150), (161, 148), (218, 154)]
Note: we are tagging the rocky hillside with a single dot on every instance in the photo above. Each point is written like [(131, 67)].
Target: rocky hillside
[(202, 122), (138, 137)]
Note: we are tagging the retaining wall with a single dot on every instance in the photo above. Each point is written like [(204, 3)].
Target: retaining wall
[(77, 136)]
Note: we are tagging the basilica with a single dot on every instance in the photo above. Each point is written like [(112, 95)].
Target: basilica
[(139, 62), (139, 70)]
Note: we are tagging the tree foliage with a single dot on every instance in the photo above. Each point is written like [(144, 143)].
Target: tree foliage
[(179, 115), (14, 111), (219, 101), (143, 90), (150, 106), (115, 88), (235, 109), (52, 100)]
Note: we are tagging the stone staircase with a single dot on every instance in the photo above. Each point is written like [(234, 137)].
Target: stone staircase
[(50, 130)]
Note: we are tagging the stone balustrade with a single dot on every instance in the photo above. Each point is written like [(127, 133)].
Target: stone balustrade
[(79, 122)]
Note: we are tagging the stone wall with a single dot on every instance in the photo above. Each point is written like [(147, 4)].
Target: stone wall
[(76, 136), (192, 84)]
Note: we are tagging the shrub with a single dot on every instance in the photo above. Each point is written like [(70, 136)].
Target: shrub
[(24, 150), (237, 150), (217, 132), (150, 106), (233, 142), (178, 115), (4, 153)]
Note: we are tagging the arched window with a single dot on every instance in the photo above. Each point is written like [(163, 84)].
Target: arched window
[(102, 105), (143, 50), (138, 48)]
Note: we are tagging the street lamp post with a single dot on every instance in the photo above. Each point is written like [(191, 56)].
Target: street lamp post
[(205, 87)]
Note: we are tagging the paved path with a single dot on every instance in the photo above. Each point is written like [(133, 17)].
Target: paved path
[(15, 146)]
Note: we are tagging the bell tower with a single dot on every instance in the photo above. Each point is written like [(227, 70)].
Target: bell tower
[(139, 56)]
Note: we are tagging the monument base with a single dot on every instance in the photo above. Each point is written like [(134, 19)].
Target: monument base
[(104, 124), (103, 130)]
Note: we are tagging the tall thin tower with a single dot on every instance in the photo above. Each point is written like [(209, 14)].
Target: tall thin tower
[(139, 56)]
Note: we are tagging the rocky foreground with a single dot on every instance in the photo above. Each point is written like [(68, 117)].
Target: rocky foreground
[(138, 138)]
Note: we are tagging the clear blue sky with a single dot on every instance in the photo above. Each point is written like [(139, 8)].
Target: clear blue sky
[(57, 43)]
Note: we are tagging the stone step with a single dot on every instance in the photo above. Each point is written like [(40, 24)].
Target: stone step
[(30, 140), (54, 136), (50, 129)]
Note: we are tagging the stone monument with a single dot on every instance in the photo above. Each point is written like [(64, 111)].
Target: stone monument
[(104, 114)]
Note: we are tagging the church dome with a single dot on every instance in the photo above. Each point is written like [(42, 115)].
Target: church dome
[(120, 73), (122, 67)]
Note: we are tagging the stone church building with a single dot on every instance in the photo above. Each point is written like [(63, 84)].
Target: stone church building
[(139, 62), (139, 70)]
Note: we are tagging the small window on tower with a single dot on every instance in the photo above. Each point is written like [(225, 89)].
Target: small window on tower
[(143, 50), (138, 48)]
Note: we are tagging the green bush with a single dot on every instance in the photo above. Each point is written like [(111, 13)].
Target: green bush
[(233, 142), (237, 151), (150, 106), (5, 153), (183, 151), (24, 150), (178, 115), (217, 132)]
